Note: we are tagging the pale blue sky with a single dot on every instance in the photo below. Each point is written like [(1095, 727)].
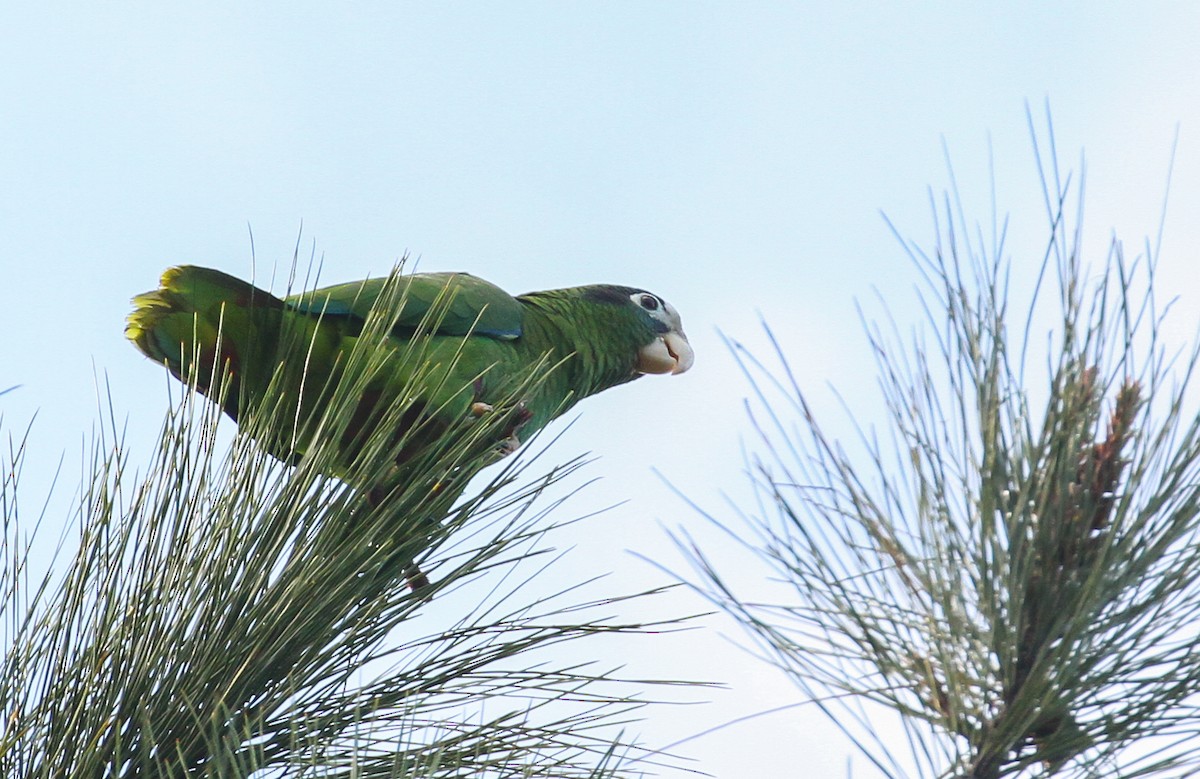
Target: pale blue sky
[(732, 157)]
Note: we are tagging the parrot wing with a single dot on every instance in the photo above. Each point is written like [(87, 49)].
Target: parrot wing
[(472, 306)]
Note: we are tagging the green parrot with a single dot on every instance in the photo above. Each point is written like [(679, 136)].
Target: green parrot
[(481, 346)]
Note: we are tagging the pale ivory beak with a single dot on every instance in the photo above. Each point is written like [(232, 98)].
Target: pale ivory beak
[(670, 353)]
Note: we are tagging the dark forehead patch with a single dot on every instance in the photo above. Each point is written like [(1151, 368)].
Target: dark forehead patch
[(611, 293)]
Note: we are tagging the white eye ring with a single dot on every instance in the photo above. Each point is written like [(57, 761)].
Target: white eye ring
[(649, 302)]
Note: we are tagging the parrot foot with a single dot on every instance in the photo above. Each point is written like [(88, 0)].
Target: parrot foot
[(520, 415), (509, 445), (512, 443)]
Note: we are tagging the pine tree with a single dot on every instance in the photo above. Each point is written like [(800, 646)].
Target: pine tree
[(1010, 570), (227, 615)]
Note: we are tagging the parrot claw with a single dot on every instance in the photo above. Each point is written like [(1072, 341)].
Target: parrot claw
[(520, 415), (509, 445), (512, 443)]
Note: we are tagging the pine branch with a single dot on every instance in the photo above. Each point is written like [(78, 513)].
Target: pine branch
[(1012, 570), (226, 614)]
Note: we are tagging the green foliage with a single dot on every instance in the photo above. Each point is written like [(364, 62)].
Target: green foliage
[(228, 615), (1012, 569)]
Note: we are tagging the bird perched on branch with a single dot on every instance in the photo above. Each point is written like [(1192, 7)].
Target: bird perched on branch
[(454, 347)]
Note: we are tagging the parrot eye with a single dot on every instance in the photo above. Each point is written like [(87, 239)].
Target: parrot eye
[(650, 303)]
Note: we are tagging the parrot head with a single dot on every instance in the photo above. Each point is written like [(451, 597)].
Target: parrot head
[(646, 322), (668, 350)]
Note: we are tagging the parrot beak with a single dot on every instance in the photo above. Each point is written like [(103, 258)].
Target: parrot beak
[(670, 353)]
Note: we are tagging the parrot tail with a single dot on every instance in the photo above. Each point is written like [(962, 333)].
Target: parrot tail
[(194, 314)]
